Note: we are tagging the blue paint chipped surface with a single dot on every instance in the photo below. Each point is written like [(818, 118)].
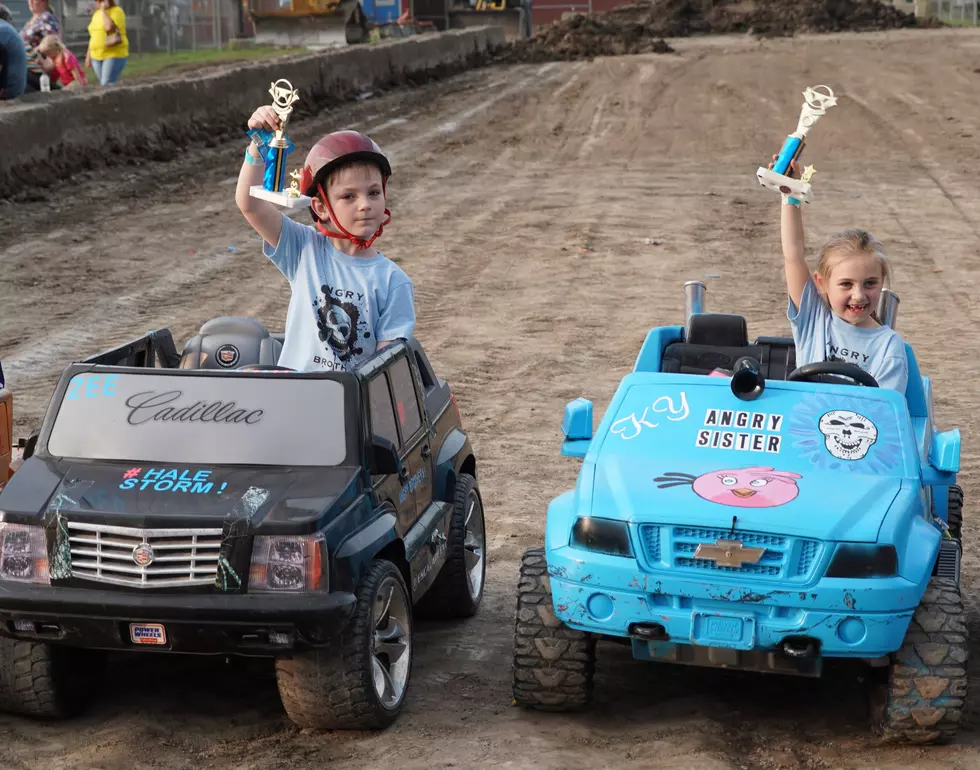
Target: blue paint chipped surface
[(678, 605)]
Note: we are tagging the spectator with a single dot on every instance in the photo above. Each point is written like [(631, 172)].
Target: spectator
[(13, 59), (41, 24), (108, 46), (67, 71)]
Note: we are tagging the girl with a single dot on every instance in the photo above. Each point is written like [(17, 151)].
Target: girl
[(833, 311), (68, 72)]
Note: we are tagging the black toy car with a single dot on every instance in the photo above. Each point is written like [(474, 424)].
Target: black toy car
[(213, 503)]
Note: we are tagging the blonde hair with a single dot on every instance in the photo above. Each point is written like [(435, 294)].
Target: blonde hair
[(50, 43), (850, 243)]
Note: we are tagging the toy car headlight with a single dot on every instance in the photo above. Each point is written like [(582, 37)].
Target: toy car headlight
[(288, 565), (852, 560), (23, 554), (602, 535)]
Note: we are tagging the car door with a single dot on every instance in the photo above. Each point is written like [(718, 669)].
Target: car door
[(416, 440), (393, 486)]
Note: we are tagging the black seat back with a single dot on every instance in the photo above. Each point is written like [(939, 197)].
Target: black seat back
[(230, 343), (718, 340)]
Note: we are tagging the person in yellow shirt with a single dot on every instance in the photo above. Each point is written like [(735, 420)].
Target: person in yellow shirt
[(108, 46)]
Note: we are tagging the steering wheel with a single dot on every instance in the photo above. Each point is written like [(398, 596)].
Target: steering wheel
[(264, 368), (828, 371)]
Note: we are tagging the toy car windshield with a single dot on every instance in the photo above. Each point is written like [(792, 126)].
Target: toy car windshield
[(186, 418)]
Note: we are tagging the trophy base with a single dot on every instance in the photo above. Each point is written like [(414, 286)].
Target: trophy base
[(795, 188), (282, 199)]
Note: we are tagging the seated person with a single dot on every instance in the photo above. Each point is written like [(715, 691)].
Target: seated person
[(67, 71), (832, 312), (348, 300), (13, 59)]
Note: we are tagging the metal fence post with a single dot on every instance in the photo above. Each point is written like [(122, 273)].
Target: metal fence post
[(221, 32)]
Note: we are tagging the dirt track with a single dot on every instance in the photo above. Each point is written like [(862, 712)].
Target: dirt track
[(523, 201)]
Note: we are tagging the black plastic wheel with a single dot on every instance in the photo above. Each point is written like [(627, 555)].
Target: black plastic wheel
[(554, 665)]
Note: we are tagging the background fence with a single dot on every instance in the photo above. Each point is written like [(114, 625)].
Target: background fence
[(152, 25), (956, 11)]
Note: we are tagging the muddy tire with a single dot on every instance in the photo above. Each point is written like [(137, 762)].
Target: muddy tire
[(954, 512), (45, 680), (360, 683), (923, 698), (554, 665), (458, 589)]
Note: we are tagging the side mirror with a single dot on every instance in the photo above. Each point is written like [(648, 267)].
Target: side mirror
[(944, 452), (577, 427), (384, 456)]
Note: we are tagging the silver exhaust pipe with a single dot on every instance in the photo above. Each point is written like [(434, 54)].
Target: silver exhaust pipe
[(887, 308), (693, 300)]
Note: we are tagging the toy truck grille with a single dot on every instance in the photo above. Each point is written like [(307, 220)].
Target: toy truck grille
[(144, 558), (785, 558)]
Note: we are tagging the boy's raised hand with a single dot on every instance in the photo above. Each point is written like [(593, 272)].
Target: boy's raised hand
[(264, 118)]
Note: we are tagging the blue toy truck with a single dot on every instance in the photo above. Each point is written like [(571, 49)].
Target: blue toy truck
[(762, 520)]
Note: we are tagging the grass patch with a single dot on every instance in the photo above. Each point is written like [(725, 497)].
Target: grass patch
[(163, 63)]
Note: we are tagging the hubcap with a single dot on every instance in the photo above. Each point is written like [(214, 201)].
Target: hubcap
[(392, 643), (474, 544)]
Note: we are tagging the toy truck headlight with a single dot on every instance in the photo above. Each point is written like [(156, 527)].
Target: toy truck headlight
[(23, 554), (288, 565), (607, 536), (853, 560)]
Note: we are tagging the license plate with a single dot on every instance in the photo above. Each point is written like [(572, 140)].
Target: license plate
[(147, 633), (717, 630)]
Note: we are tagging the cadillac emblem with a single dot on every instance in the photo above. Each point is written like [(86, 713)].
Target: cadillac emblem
[(227, 356), (143, 555), (728, 553)]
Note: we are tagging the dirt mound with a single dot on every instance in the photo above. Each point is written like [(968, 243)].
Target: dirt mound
[(583, 37), (641, 27)]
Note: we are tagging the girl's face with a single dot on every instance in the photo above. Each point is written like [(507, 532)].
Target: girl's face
[(37, 6), (358, 200), (853, 287)]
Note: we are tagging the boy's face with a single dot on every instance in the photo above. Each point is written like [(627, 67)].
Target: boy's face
[(357, 196)]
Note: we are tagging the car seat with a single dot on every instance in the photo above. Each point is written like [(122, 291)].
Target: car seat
[(230, 342), (718, 340)]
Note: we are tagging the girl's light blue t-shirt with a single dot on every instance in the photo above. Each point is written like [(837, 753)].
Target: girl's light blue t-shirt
[(341, 306), (822, 336)]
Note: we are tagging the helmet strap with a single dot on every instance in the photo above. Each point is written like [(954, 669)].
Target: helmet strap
[(343, 234)]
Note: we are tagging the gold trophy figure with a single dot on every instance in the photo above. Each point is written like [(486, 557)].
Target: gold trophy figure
[(274, 148)]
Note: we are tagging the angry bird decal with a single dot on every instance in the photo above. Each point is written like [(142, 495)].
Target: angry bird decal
[(753, 487)]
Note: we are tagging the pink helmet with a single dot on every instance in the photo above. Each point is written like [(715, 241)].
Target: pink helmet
[(336, 149)]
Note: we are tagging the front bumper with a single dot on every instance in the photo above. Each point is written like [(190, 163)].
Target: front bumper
[(191, 623), (608, 595)]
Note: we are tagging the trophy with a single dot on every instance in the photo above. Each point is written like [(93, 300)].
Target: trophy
[(778, 177), (274, 148)]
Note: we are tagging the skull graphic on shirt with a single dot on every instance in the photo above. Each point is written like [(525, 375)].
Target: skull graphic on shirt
[(338, 325), (847, 435)]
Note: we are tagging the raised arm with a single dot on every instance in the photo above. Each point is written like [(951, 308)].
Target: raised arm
[(791, 235), (263, 216), (794, 260)]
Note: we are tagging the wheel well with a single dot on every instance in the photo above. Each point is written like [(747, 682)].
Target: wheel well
[(395, 553), (469, 466)]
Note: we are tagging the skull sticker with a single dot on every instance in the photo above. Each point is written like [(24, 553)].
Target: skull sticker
[(847, 435), (338, 324)]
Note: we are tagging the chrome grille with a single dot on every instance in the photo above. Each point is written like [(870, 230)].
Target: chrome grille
[(181, 557), (786, 558)]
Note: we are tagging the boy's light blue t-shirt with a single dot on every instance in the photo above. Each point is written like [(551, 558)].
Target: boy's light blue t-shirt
[(341, 306), (822, 336)]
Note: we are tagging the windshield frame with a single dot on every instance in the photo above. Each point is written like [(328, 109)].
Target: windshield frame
[(352, 413)]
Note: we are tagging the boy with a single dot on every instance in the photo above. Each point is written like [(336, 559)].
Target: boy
[(348, 300)]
